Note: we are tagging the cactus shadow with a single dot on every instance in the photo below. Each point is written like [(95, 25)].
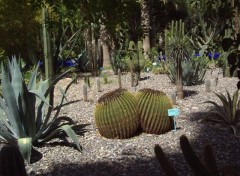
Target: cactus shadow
[(189, 93), (134, 166)]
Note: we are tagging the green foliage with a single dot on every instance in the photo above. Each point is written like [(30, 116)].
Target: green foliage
[(229, 114), (205, 166), (153, 106), (135, 57), (118, 61), (152, 54), (25, 115), (160, 68), (116, 114), (193, 71)]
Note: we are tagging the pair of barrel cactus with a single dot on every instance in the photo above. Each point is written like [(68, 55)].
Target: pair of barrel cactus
[(120, 114)]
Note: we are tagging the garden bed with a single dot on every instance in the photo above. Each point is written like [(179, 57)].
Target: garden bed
[(135, 156)]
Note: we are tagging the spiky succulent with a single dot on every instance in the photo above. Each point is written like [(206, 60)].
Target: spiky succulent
[(116, 114), (153, 108), (229, 114), (25, 114)]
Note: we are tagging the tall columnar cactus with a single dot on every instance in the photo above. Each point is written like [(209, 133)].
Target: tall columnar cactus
[(153, 108), (135, 61), (116, 114)]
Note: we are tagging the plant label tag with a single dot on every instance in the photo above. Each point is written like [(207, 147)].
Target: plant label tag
[(154, 63), (173, 112)]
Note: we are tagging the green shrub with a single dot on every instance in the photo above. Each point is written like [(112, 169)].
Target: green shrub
[(193, 71)]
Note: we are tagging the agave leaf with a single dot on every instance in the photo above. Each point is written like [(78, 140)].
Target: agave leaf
[(55, 81), (32, 84), (3, 118), (234, 105), (68, 130), (25, 147), (218, 111), (45, 126), (230, 104), (9, 97), (28, 108), (226, 106), (6, 135), (40, 95), (63, 97), (16, 80)]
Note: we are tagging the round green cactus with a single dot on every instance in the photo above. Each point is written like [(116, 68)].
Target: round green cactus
[(153, 108), (116, 114)]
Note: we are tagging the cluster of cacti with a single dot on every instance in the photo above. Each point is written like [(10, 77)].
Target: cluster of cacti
[(207, 166), (153, 108), (94, 51), (231, 53), (119, 114), (116, 114), (135, 60)]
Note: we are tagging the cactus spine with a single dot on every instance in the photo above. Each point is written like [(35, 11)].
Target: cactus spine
[(135, 61), (119, 79), (153, 106), (116, 114), (84, 89)]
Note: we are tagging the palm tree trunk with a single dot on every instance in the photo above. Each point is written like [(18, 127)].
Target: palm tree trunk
[(106, 53), (145, 20)]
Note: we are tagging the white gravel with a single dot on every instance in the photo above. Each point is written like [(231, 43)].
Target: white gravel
[(135, 156)]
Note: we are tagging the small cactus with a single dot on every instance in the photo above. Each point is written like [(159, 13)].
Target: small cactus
[(84, 89), (87, 81), (98, 84), (153, 108), (135, 60), (119, 79), (208, 85), (116, 114)]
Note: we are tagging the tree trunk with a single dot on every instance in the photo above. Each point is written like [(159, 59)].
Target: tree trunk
[(105, 45), (236, 16), (179, 83), (145, 22), (106, 55)]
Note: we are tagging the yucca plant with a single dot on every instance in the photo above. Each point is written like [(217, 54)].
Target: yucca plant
[(26, 117), (229, 114)]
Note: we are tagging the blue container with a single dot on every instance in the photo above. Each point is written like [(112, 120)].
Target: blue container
[(68, 63), (215, 56)]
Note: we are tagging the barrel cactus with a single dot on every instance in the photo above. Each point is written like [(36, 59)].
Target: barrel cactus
[(153, 108), (116, 114)]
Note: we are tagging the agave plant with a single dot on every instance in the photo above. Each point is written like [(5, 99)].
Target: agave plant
[(26, 117), (193, 72), (230, 113)]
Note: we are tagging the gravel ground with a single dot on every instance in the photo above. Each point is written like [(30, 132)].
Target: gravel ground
[(135, 156)]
